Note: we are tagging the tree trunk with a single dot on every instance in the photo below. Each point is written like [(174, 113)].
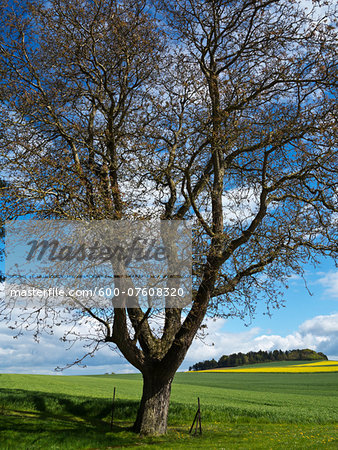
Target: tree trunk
[(153, 411)]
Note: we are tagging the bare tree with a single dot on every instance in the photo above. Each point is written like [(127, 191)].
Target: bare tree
[(220, 112)]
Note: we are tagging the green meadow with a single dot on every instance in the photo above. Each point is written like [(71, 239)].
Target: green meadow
[(239, 411)]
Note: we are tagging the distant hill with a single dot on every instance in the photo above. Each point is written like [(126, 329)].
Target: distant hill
[(240, 359)]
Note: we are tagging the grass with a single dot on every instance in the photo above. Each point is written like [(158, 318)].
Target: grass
[(239, 410)]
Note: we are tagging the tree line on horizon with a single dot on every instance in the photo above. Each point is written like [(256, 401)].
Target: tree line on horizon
[(240, 359)]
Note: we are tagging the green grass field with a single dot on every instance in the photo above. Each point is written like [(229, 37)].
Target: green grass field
[(239, 410)]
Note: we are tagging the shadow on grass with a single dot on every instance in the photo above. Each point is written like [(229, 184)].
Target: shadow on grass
[(41, 420), (36, 432), (91, 410), (47, 420)]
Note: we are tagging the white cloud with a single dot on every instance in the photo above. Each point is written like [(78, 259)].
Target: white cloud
[(25, 355), (330, 283), (321, 325), (240, 205)]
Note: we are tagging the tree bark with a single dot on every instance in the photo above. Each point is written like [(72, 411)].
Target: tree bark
[(152, 415)]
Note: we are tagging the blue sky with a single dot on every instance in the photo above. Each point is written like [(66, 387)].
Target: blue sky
[(305, 322)]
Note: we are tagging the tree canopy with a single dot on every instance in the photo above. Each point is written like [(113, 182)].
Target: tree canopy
[(218, 112)]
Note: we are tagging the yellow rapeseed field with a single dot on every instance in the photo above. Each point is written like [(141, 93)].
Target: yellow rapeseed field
[(322, 366), (321, 363)]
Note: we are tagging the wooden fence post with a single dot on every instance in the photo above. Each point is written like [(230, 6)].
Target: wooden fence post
[(112, 410), (197, 419)]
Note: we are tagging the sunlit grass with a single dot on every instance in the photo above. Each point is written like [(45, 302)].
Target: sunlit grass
[(239, 411)]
